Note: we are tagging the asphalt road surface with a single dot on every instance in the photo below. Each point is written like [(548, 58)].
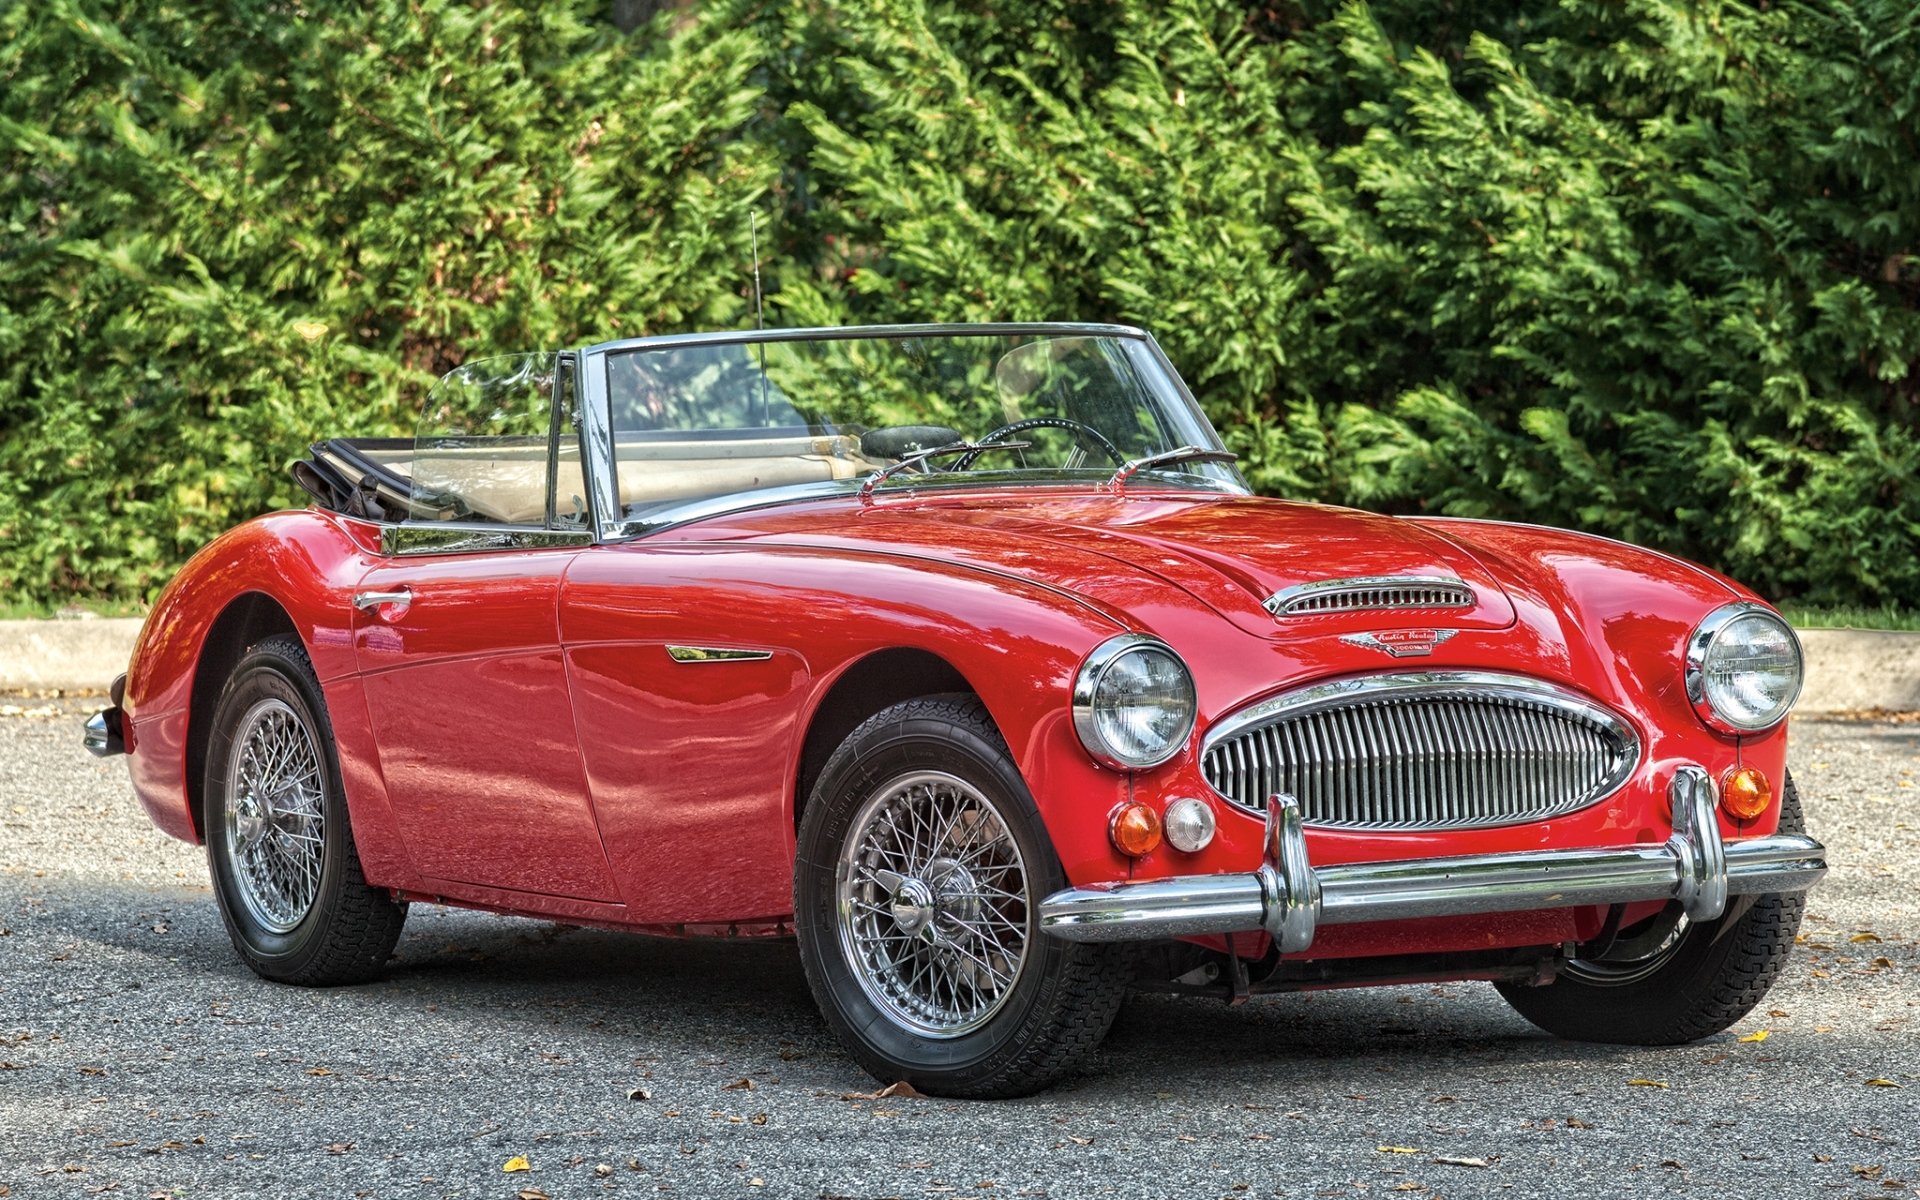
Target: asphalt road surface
[(138, 1058)]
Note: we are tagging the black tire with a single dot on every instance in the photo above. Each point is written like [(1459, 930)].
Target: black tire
[(1711, 976), (338, 930), (1061, 997)]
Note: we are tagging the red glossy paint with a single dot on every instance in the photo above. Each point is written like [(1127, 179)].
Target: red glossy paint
[(518, 737)]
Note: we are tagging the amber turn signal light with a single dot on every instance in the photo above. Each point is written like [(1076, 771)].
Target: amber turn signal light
[(1135, 830), (1745, 793)]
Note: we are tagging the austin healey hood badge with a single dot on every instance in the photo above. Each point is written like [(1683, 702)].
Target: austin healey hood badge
[(1401, 643)]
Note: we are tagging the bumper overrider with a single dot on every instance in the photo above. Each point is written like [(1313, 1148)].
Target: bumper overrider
[(104, 734), (1289, 898)]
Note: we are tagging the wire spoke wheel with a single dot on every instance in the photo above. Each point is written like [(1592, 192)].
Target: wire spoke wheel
[(933, 905), (275, 815)]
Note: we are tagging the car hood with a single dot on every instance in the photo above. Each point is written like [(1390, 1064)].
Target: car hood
[(1229, 552)]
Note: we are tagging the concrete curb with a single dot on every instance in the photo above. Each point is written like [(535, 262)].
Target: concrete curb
[(66, 655), (1853, 669), (1847, 669)]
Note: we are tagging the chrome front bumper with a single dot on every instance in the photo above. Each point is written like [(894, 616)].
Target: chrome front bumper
[(1290, 898)]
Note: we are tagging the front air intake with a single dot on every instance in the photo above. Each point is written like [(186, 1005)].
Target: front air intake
[(1423, 751), (1373, 593)]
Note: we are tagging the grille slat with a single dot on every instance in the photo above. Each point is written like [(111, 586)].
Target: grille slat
[(1424, 751)]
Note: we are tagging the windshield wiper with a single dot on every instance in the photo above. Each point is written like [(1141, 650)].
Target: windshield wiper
[(1166, 458), (922, 457)]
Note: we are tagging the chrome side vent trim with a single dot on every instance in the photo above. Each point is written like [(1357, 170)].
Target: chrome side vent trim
[(1430, 750), (1371, 593)]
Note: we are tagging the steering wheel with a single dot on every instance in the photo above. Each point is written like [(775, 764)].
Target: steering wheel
[(1113, 451)]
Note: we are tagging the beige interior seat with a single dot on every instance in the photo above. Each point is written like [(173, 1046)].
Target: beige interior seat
[(508, 483)]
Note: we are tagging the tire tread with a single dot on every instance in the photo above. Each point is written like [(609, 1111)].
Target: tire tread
[(365, 922), (1086, 994)]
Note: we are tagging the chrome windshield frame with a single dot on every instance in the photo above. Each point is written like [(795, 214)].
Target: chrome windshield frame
[(597, 436)]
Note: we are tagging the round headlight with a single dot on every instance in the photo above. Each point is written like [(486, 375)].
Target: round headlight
[(1743, 668), (1133, 702)]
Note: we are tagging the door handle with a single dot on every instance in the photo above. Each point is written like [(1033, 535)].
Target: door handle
[(373, 602)]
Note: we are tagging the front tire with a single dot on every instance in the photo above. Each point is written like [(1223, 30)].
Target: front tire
[(1689, 982), (920, 868), (279, 845)]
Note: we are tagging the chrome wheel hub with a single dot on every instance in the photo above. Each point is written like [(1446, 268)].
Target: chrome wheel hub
[(934, 914), (912, 907), (275, 816)]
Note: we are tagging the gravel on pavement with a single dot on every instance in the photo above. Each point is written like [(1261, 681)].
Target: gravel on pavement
[(139, 1058)]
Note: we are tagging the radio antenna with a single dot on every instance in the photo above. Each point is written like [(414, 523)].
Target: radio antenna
[(759, 314), (759, 310)]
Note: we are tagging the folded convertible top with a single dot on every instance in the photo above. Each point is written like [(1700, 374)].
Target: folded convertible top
[(361, 477)]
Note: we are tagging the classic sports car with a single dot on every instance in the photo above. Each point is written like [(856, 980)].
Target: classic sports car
[(964, 656)]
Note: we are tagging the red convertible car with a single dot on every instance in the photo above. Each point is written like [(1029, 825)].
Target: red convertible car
[(965, 657)]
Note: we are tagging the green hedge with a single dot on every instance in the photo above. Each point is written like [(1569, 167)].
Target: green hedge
[(1649, 268)]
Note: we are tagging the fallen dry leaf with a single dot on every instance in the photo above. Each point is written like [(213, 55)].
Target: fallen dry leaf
[(1445, 1161), (1861, 939), (742, 1084), (1758, 1035), (1396, 1149), (317, 1071), (902, 1090), (1881, 1082), (531, 1193), (517, 1163), (1647, 1083)]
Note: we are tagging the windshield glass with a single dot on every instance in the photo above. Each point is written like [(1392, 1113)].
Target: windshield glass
[(711, 418)]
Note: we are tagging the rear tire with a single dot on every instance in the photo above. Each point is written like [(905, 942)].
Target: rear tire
[(1699, 983), (921, 864), (279, 844)]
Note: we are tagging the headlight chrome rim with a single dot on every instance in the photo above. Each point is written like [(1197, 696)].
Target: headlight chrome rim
[(1086, 688), (1700, 646)]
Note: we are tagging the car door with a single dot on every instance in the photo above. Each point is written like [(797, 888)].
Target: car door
[(457, 641)]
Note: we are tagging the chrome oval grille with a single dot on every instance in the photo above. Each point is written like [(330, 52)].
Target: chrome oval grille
[(1423, 751), (1370, 593)]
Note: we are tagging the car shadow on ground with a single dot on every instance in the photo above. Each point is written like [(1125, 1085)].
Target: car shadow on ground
[(514, 983)]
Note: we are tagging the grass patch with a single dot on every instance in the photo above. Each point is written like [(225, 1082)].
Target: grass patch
[(1852, 616)]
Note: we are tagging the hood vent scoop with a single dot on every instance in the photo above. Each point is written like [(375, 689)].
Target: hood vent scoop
[(1371, 593)]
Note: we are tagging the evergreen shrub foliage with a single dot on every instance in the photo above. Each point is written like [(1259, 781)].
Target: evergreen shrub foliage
[(1649, 268)]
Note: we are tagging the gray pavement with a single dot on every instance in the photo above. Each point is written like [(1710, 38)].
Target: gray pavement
[(139, 1058)]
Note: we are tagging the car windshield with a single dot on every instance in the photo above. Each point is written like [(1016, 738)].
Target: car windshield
[(697, 418)]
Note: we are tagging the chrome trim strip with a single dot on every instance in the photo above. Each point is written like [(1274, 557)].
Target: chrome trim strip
[(1335, 692), (1288, 898), (459, 537), (703, 654), (1701, 640), (1283, 602), (841, 333)]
